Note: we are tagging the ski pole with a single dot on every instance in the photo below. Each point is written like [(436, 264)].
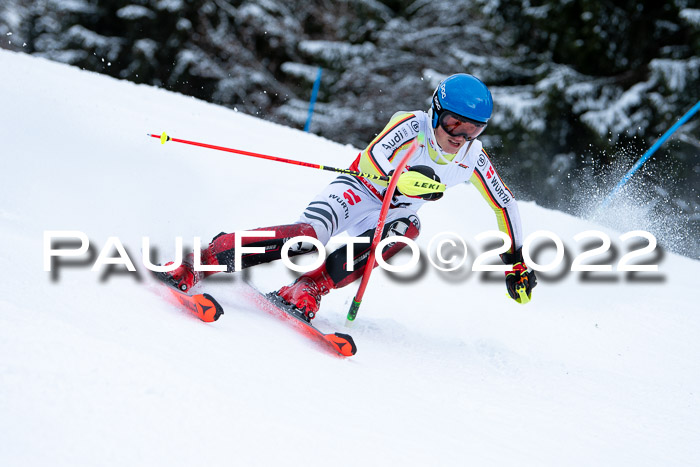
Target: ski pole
[(355, 306), (165, 138)]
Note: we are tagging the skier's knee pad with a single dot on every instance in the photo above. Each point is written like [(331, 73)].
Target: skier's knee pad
[(405, 226), (337, 262)]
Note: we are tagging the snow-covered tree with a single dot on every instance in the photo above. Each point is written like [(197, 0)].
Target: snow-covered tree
[(581, 87)]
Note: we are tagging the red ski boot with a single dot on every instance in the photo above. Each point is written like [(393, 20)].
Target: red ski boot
[(305, 294), (184, 277)]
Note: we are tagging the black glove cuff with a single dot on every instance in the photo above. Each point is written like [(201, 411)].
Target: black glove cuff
[(513, 258)]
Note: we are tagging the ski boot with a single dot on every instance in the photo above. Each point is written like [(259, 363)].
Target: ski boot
[(184, 277), (306, 292)]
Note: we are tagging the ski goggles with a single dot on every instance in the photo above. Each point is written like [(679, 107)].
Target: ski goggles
[(456, 125)]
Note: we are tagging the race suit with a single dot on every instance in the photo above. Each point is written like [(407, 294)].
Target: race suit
[(352, 205)]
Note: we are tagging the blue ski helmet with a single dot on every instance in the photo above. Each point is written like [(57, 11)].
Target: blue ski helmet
[(464, 95)]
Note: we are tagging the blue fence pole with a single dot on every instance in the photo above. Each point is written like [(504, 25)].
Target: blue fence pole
[(688, 115), (314, 93)]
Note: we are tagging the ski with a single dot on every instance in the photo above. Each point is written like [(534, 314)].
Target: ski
[(203, 306), (338, 343), (206, 308)]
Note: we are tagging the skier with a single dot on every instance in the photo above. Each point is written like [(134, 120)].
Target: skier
[(452, 154)]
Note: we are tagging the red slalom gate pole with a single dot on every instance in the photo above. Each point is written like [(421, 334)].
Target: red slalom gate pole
[(165, 138), (355, 306)]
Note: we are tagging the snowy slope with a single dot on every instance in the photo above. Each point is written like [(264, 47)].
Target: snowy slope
[(97, 369)]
